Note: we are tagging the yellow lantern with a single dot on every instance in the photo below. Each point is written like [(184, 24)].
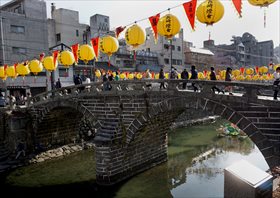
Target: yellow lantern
[(97, 73), (261, 3), (11, 72), (135, 36), (210, 12), (86, 53), (200, 75), (3, 75), (22, 69), (263, 69), (168, 26), (122, 75), (248, 77), (139, 76), (256, 77), (66, 58), (240, 78), (236, 72), (109, 45), (249, 71), (35, 66), (131, 76), (157, 76), (223, 74), (49, 64)]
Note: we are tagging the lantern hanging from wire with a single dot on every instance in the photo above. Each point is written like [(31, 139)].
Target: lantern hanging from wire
[(109, 45), (11, 71), (135, 36), (86, 53), (210, 12), (66, 58), (3, 74), (49, 63), (22, 69), (35, 67), (168, 26)]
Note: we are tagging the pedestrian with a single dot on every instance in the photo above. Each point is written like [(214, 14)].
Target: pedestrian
[(58, 84), (194, 76), (213, 77), (161, 76), (276, 77), (173, 74), (117, 76), (228, 78), (148, 76), (78, 81), (87, 82), (185, 76)]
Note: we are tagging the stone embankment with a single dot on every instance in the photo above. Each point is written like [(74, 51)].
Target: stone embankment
[(59, 152), (186, 123)]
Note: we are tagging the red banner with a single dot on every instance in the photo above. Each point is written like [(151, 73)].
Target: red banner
[(95, 45), (190, 9), (15, 65), (119, 30), (154, 21), (5, 67), (42, 57), (257, 69), (55, 55), (242, 69), (238, 6), (75, 49)]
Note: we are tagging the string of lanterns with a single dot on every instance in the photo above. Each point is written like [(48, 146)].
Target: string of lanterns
[(208, 12)]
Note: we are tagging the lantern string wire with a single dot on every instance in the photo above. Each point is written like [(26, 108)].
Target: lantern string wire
[(158, 13)]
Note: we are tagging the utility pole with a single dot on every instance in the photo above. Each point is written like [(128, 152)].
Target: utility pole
[(3, 52), (170, 40)]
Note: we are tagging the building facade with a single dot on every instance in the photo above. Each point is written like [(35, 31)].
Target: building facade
[(244, 51), (201, 58), (163, 50), (64, 27), (24, 36)]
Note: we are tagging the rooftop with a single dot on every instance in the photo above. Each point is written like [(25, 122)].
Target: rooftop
[(200, 51)]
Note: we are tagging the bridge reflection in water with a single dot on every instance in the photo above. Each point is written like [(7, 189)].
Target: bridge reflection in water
[(131, 121)]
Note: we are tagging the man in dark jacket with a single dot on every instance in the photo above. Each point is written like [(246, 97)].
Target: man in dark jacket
[(194, 76), (185, 76)]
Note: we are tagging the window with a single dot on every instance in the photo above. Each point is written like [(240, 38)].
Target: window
[(18, 10), (166, 46), (179, 48), (166, 61), (58, 37), (63, 72), (173, 47), (179, 62), (17, 29), (19, 50), (174, 62), (77, 33), (106, 20)]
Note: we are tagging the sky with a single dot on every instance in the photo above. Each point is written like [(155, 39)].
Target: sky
[(122, 13)]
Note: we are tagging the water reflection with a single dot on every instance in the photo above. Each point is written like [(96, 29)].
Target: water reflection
[(178, 177)]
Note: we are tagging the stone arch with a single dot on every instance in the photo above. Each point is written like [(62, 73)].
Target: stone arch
[(218, 108), (52, 120)]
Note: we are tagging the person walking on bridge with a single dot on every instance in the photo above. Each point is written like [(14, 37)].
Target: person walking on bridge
[(213, 77), (276, 76), (194, 76)]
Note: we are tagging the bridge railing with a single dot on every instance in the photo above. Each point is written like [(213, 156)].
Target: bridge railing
[(247, 89)]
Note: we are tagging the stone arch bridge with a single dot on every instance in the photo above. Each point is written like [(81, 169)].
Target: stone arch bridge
[(131, 120)]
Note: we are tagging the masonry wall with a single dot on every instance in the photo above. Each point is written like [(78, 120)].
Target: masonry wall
[(59, 127), (117, 161)]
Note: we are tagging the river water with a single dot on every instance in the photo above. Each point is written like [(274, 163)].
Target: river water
[(179, 177)]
